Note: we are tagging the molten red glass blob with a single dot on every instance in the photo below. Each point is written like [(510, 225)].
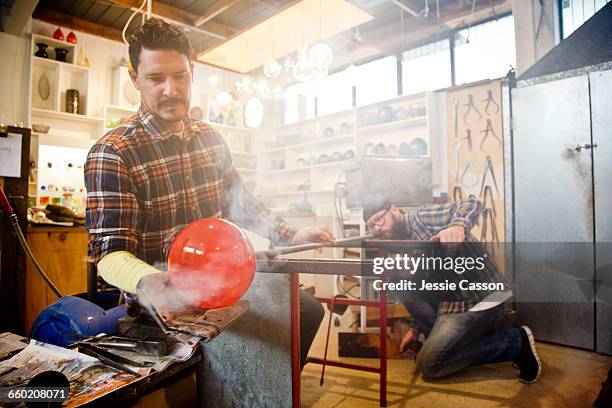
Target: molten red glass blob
[(212, 263)]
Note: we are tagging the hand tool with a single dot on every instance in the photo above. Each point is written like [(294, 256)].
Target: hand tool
[(488, 220), (457, 147), (468, 138), (470, 107), (488, 193), (490, 100), (488, 169), (543, 16), (457, 193), (464, 183), (456, 116), (110, 359), (489, 132), (157, 347)]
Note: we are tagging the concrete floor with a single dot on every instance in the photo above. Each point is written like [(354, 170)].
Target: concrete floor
[(570, 378)]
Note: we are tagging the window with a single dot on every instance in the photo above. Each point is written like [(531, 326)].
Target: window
[(299, 102), (485, 51), (334, 93), (376, 80), (426, 68), (575, 12)]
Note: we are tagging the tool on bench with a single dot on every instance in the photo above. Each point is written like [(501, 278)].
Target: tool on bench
[(470, 107), (110, 359), (488, 169), (490, 101), (150, 347), (468, 138), (464, 183), (489, 132)]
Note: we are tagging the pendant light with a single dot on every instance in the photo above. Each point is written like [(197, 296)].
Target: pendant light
[(303, 69), (321, 56), (253, 113), (272, 69)]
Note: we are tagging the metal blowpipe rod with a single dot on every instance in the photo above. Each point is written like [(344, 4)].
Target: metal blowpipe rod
[(271, 253)]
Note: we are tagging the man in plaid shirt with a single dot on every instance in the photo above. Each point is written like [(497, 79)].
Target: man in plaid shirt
[(460, 329), (159, 171)]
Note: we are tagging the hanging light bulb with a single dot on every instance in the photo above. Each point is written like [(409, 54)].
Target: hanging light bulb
[(253, 113), (277, 92), (263, 88), (303, 69), (213, 80), (224, 99), (272, 69), (321, 56), (320, 72), (288, 63)]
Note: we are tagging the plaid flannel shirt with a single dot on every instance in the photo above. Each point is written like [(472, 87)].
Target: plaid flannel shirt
[(430, 219), (144, 184)]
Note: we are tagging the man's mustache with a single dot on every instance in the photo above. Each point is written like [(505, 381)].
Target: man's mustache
[(171, 101)]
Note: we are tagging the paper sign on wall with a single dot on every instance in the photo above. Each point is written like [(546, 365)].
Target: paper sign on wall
[(10, 155)]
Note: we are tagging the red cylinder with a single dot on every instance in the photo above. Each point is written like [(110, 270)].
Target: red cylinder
[(212, 263)]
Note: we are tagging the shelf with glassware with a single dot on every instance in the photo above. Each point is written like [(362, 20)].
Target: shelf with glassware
[(240, 142), (316, 152), (57, 112)]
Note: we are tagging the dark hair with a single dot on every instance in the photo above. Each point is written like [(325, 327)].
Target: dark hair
[(374, 205), (156, 34)]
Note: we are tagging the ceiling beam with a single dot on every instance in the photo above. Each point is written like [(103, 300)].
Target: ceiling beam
[(77, 24), (181, 16), (19, 16), (212, 12)]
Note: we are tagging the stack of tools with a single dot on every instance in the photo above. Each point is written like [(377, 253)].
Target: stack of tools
[(60, 213)]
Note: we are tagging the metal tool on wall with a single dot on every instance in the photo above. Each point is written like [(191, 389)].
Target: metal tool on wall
[(468, 139), (456, 117), (473, 175), (488, 222), (488, 169), (457, 148), (457, 193), (470, 107), (489, 133), (490, 103), (488, 193)]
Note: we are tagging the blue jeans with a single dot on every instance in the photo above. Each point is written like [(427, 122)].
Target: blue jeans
[(458, 340)]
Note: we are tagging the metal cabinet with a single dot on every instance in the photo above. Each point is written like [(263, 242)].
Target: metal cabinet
[(563, 203)]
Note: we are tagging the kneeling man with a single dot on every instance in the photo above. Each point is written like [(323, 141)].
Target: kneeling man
[(463, 331)]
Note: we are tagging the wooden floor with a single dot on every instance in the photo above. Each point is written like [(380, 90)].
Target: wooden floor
[(570, 378)]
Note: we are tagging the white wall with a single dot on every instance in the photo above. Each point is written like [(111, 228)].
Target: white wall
[(14, 77)]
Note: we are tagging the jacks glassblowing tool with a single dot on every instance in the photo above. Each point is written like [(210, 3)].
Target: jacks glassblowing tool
[(488, 169), (271, 253), (490, 103), (470, 107), (468, 138), (489, 132), (464, 181)]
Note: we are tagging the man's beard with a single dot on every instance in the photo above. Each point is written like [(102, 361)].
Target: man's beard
[(398, 230), (171, 102)]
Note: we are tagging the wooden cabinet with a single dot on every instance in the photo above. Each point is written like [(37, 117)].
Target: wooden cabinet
[(62, 254)]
